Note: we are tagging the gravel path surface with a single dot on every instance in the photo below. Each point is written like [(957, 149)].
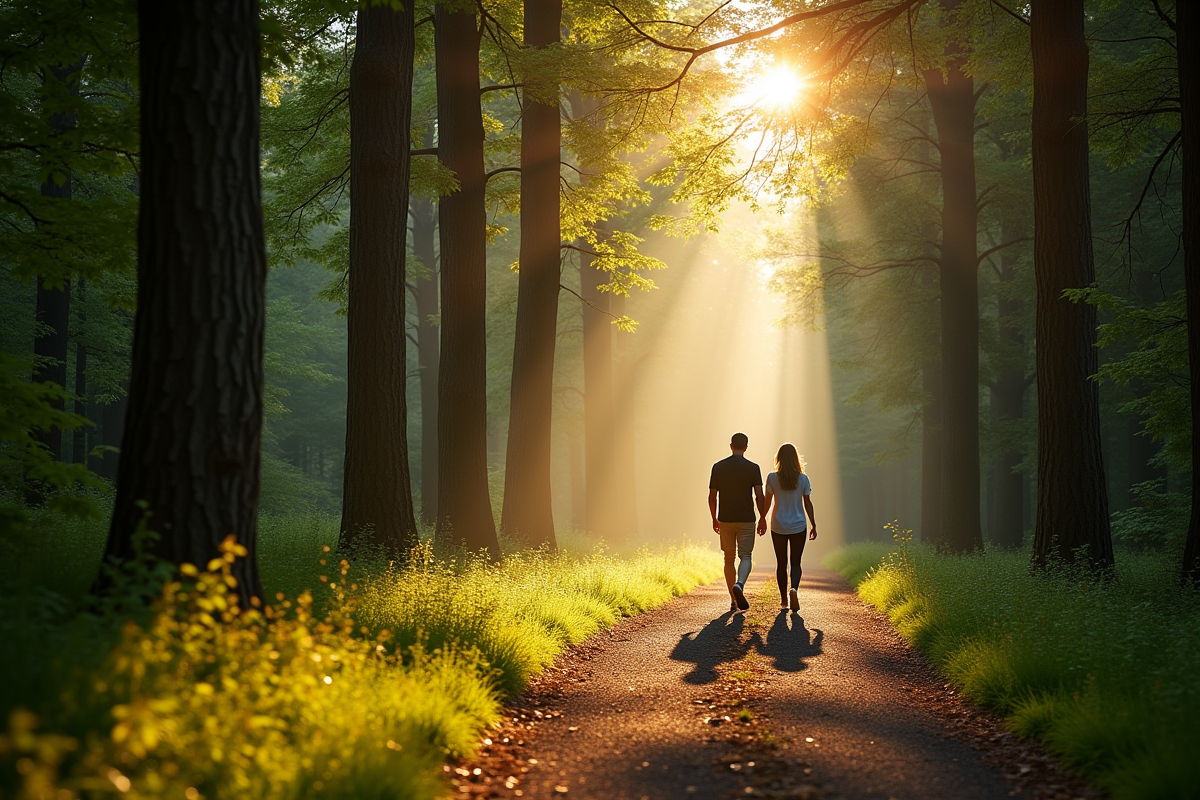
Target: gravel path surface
[(691, 701)]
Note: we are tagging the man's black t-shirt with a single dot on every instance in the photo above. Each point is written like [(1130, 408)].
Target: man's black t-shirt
[(734, 478)]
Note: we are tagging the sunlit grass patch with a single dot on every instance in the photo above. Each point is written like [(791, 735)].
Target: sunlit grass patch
[(360, 688), (1106, 673)]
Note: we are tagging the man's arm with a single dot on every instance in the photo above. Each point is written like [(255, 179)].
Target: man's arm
[(811, 515), (712, 509), (764, 505)]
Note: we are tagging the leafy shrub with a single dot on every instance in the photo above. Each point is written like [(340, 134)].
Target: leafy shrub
[(357, 688)]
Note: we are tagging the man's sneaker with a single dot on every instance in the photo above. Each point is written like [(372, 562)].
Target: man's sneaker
[(793, 600), (740, 597)]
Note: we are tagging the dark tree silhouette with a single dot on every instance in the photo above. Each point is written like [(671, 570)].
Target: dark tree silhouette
[(377, 505), (53, 308), (1008, 404), (423, 213), (1187, 23), (191, 446), (79, 448), (527, 510), (598, 418), (952, 98), (464, 515), (1072, 504)]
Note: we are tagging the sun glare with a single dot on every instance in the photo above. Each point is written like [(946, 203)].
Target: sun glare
[(774, 89)]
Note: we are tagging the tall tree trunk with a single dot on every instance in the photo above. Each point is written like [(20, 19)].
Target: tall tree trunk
[(53, 310), (191, 445), (527, 509), (1008, 405), (1187, 23), (112, 431), (79, 448), (425, 297), (377, 507), (598, 418), (1072, 504), (464, 516), (50, 349), (1141, 448), (622, 460), (931, 426), (952, 99)]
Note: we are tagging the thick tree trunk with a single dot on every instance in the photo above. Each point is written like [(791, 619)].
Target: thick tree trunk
[(598, 418), (1187, 23), (1008, 404), (527, 510), (191, 445), (377, 506), (464, 516), (425, 297), (953, 102), (1072, 504), (79, 448)]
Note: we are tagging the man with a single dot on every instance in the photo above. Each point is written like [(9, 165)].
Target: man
[(738, 483)]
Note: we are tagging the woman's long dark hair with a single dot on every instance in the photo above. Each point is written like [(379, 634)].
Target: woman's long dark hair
[(789, 466)]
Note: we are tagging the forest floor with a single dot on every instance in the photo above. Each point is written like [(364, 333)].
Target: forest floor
[(691, 701)]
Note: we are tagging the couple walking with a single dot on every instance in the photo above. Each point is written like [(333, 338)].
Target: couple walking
[(737, 482)]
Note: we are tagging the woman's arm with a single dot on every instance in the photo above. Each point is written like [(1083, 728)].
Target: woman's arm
[(811, 515)]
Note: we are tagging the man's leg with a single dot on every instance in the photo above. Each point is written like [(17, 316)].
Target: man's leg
[(745, 543), (728, 548)]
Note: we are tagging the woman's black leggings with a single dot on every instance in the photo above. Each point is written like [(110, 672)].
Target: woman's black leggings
[(781, 542)]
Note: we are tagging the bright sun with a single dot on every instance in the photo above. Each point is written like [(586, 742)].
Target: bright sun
[(773, 89)]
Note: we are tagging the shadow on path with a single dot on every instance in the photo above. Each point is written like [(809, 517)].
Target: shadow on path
[(789, 643), (717, 643)]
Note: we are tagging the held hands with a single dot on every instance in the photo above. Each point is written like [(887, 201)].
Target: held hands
[(762, 525)]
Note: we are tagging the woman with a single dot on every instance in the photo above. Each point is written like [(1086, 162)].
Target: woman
[(788, 493)]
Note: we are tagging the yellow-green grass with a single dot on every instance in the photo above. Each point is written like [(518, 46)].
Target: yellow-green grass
[(360, 688), (1106, 673)]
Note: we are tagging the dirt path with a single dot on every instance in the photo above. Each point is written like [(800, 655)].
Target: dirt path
[(691, 701)]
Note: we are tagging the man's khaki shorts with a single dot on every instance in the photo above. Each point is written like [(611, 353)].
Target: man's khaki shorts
[(737, 537)]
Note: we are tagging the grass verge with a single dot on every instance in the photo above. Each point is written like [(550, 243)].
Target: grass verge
[(352, 683), (1106, 674)]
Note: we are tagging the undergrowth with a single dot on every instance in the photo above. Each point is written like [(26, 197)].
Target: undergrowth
[(353, 682), (1106, 673)]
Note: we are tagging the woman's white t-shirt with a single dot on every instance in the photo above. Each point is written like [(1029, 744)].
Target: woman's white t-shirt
[(787, 516)]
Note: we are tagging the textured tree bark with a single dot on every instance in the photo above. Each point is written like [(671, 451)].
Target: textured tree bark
[(1008, 404), (191, 446), (377, 507), (425, 297), (1187, 22), (953, 102), (527, 510), (1072, 502), (464, 516), (79, 448), (598, 418)]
